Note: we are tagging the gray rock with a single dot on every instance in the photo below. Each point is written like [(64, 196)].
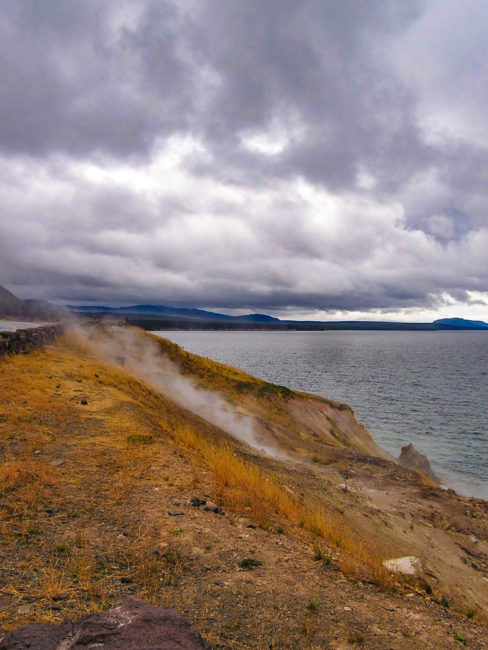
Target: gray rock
[(210, 506), (130, 625), (412, 459), (196, 502)]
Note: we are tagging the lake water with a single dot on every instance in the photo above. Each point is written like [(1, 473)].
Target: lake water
[(429, 388), (12, 325)]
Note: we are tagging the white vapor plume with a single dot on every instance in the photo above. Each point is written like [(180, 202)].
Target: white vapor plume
[(142, 357)]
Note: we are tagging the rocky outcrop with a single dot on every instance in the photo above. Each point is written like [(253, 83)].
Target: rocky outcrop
[(130, 625), (21, 341), (412, 459)]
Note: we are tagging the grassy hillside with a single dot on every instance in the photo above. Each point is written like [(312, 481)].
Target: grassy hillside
[(306, 423), (98, 469)]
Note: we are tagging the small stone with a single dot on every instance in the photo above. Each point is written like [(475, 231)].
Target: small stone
[(57, 462), (196, 502), (210, 506), (25, 609), (347, 609), (175, 513), (474, 539)]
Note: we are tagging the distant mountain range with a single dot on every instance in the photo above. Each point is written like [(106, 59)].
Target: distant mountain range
[(153, 317), (163, 316), (178, 312)]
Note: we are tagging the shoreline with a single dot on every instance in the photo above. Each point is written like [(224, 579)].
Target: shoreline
[(463, 483)]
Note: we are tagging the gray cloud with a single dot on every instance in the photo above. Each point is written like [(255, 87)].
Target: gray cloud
[(281, 155)]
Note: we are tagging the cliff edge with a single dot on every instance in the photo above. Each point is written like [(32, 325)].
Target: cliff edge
[(129, 467)]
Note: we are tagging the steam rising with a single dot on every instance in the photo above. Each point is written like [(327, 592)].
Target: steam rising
[(143, 358)]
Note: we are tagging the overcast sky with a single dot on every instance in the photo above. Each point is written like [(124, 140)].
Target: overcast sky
[(310, 158)]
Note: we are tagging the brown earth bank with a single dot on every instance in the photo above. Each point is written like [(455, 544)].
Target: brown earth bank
[(119, 476)]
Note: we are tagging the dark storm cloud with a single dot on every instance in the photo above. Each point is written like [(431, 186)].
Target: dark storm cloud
[(74, 79), (81, 77), (275, 154)]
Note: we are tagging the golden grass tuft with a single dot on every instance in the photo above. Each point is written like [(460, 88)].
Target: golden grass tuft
[(258, 494), (29, 483), (16, 474)]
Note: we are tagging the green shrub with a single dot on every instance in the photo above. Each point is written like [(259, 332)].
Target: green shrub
[(249, 563), (313, 605)]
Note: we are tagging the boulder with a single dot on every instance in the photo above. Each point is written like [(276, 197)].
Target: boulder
[(408, 565), (412, 459), (130, 625)]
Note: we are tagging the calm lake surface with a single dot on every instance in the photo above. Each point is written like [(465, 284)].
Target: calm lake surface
[(429, 388)]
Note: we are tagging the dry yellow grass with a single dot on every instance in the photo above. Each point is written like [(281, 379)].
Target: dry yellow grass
[(122, 460), (85, 491), (258, 494), (240, 483)]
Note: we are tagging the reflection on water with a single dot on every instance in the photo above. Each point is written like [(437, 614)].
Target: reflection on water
[(429, 388), (12, 325)]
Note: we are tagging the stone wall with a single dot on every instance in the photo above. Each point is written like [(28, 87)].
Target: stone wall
[(22, 341)]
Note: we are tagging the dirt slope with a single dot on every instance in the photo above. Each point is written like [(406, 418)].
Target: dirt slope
[(97, 475)]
